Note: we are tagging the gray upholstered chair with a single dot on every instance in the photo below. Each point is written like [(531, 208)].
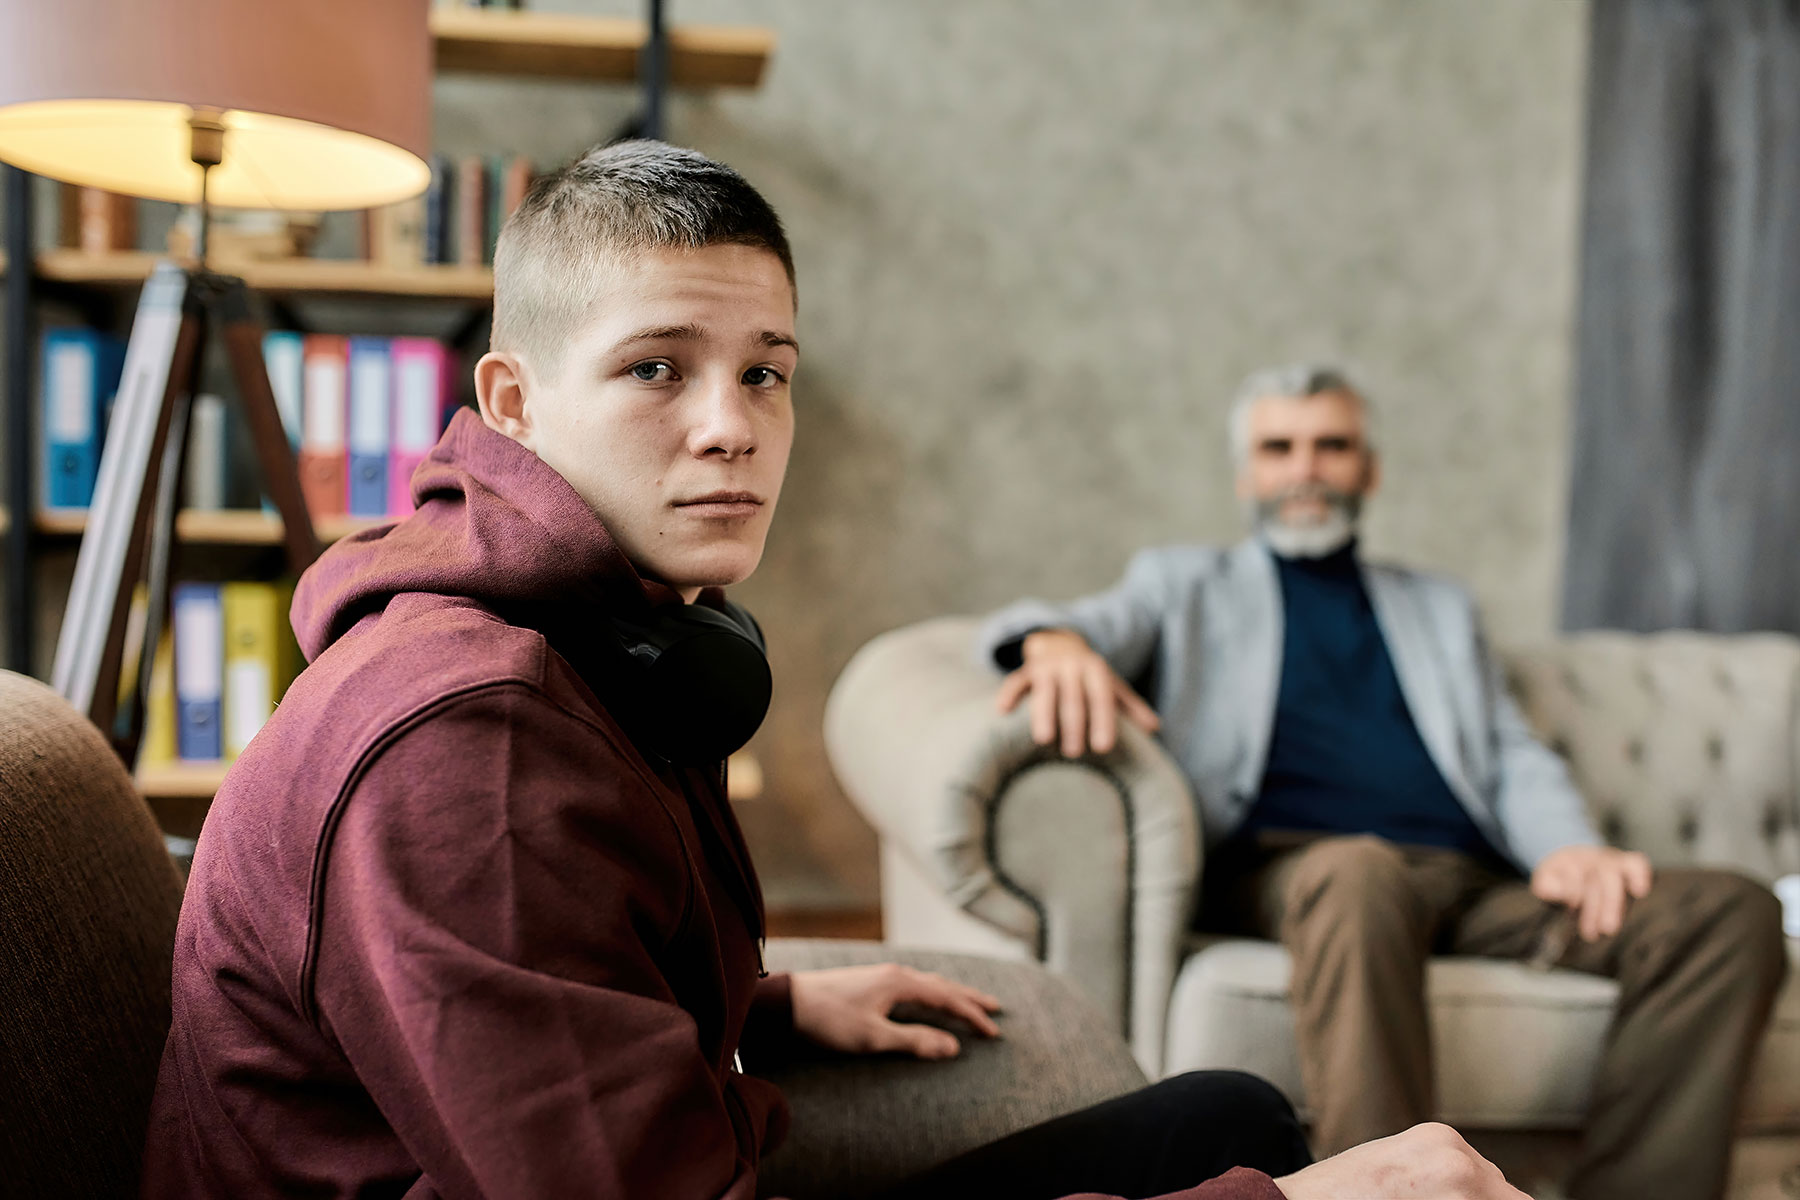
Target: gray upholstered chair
[(88, 901), (1685, 745)]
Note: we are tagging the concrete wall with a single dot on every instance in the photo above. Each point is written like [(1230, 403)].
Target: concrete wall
[(1039, 243)]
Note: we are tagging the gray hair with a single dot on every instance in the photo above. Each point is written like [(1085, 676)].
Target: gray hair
[(554, 253), (1296, 380)]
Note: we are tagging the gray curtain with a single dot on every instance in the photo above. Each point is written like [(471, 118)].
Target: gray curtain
[(1685, 496)]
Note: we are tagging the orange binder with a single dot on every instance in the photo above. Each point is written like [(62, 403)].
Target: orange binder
[(323, 403)]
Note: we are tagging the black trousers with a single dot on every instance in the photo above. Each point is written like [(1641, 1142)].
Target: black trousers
[(1159, 1139)]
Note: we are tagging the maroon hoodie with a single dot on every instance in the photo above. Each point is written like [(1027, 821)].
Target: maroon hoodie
[(447, 930), (448, 933)]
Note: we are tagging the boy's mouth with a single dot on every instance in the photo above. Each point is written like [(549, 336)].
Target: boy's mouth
[(722, 504)]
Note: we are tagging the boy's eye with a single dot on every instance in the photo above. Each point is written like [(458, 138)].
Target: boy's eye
[(652, 372), (764, 377)]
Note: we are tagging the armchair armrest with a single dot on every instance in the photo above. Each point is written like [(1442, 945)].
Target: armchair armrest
[(1091, 863), (864, 1122)]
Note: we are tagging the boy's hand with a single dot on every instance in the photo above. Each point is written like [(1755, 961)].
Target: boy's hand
[(846, 1008), (1427, 1162), (1074, 694)]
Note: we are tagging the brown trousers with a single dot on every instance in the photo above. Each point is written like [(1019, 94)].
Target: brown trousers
[(1699, 962)]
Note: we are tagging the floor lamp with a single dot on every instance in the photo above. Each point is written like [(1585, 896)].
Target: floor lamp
[(271, 104)]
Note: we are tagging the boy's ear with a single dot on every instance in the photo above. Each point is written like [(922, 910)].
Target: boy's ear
[(500, 392)]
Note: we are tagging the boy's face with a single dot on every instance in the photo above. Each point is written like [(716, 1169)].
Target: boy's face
[(670, 411)]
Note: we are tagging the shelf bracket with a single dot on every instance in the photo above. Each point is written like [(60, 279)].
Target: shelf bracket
[(653, 71)]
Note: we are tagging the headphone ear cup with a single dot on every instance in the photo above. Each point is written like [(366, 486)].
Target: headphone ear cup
[(740, 616), (707, 694), (696, 684)]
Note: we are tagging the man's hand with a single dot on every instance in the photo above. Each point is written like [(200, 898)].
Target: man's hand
[(1073, 693), (1597, 882), (1427, 1162), (846, 1008)]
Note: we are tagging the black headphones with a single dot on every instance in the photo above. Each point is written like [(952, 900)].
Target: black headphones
[(694, 682)]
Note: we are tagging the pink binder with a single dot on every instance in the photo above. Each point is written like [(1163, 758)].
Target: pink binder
[(421, 386)]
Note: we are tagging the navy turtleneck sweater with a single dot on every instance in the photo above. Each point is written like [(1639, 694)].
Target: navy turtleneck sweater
[(1345, 756)]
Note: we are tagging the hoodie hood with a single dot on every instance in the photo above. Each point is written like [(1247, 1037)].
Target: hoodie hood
[(495, 524)]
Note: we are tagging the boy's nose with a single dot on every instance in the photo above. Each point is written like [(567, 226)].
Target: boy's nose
[(725, 426)]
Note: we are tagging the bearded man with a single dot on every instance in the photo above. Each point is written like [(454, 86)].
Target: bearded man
[(1369, 795)]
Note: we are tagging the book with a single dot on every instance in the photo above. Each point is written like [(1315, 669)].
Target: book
[(494, 192), (514, 184), (260, 658), (204, 480), (398, 234), (421, 388), (471, 212), (199, 671), (108, 221), (437, 212), (158, 747), (323, 405), (284, 356), (80, 377), (370, 415)]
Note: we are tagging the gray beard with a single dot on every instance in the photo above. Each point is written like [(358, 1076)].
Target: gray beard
[(1315, 539)]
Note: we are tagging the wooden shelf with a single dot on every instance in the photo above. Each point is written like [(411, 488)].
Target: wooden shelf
[(594, 48), (224, 527), (294, 276), (199, 780), (181, 780)]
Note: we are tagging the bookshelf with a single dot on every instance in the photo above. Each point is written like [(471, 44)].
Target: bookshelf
[(218, 527), (197, 781), (503, 42), (316, 276), (466, 41)]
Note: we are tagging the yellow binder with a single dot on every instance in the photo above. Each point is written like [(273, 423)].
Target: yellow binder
[(260, 657), (158, 746)]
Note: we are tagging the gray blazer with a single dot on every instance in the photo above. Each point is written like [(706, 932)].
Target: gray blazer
[(1199, 632)]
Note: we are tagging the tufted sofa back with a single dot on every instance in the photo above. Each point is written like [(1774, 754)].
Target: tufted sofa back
[(1684, 744)]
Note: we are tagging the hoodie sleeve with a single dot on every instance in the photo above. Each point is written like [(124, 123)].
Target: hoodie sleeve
[(1239, 1183), (489, 921)]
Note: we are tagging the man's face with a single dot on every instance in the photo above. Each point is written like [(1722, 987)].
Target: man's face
[(1309, 465), (670, 411)]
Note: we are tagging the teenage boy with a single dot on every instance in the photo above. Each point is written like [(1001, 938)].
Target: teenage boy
[(472, 917)]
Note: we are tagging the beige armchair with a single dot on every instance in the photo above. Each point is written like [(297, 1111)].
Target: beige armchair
[(1687, 747)]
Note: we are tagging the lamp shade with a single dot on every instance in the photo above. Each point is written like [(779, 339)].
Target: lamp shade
[(326, 103)]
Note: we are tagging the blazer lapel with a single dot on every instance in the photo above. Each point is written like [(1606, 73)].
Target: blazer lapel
[(1406, 628), (1255, 597)]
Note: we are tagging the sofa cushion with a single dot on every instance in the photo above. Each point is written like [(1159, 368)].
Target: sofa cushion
[(861, 1122), (1516, 1048)]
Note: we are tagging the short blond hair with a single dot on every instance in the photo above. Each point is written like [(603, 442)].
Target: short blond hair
[(555, 251)]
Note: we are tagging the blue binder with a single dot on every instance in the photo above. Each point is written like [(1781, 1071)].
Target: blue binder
[(371, 420), (199, 618), (284, 355), (81, 375)]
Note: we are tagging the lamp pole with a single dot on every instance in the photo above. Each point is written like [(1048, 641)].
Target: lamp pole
[(206, 146)]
